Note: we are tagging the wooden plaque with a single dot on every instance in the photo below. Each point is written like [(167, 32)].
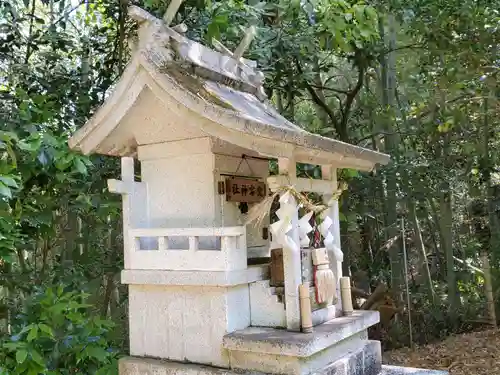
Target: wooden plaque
[(276, 269), (245, 190)]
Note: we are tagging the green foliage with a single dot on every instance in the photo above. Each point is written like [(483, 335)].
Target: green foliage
[(346, 26), (55, 334), (57, 221)]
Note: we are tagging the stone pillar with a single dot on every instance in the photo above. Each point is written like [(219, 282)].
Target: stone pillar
[(293, 270), (135, 203), (286, 233), (331, 200)]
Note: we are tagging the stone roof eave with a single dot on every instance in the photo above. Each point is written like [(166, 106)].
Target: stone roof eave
[(224, 124)]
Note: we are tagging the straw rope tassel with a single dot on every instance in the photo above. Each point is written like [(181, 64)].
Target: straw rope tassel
[(324, 278)]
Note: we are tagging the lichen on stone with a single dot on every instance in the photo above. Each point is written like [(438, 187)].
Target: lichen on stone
[(193, 83)]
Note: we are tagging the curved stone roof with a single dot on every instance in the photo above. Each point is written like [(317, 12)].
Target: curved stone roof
[(218, 87)]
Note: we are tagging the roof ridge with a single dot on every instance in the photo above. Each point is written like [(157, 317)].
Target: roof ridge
[(212, 64)]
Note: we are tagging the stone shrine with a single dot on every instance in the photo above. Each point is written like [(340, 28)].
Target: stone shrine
[(201, 300)]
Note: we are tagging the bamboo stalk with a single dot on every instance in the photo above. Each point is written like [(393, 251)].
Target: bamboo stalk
[(346, 296), (305, 308), (488, 286), (406, 281)]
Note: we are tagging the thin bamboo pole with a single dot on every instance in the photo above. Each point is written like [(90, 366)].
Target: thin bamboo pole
[(405, 260)]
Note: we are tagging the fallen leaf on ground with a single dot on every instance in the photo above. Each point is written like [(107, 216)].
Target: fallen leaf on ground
[(473, 353)]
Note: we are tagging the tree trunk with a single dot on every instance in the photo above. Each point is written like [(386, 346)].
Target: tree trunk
[(30, 33), (494, 228), (109, 277), (388, 82), (419, 243), (445, 203), (488, 289), (435, 226), (70, 237), (290, 105), (279, 102), (318, 82), (109, 281), (344, 235)]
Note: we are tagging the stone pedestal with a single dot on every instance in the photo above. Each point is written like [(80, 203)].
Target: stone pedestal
[(184, 315), (396, 370), (145, 366), (340, 346)]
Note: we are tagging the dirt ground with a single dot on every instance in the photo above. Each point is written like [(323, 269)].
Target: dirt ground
[(476, 353)]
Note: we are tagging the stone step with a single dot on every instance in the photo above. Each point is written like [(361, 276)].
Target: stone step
[(142, 366), (340, 345), (396, 370), (282, 342), (266, 308)]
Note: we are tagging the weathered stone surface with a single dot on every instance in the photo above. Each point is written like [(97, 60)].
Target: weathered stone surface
[(365, 360), (341, 345), (185, 323), (344, 358), (266, 309), (194, 278), (281, 342), (355, 363), (396, 370), (349, 365), (145, 366), (372, 354)]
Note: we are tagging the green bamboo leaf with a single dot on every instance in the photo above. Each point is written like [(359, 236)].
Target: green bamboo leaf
[(33, 334), (98, 353), (12, 154), (8, 136), (21, 356), (29, 146), (46, 329), (80, 166), (5, 190), (36, 357), (9, 181), (13, 345), (371, 12)]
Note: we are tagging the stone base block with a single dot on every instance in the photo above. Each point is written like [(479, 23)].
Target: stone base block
[(340, 345), (145, 366), (396, 370), (355, 357), (185, 323), (366, 360)]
